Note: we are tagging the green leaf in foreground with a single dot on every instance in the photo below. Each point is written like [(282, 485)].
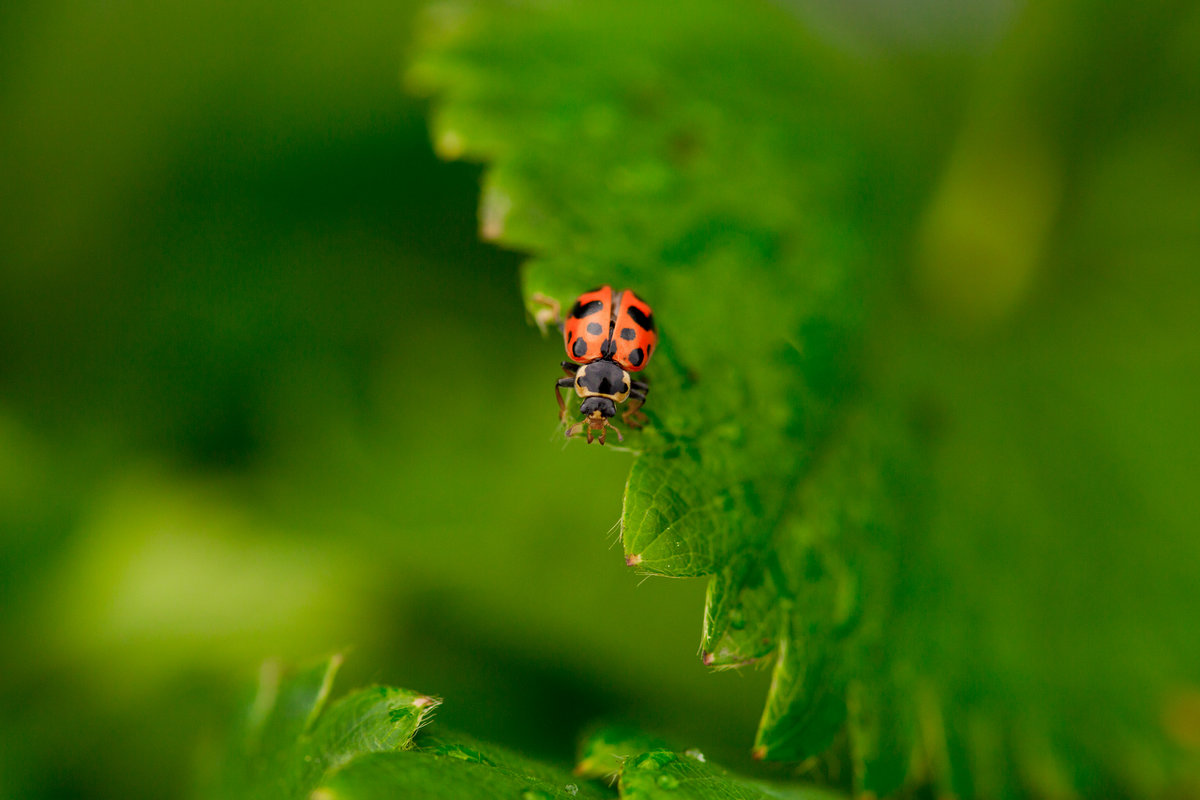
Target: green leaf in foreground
[(365, 747), (662, 773), (362, 746), (956, 494), (290, 741), (606, 750), (644, 766)]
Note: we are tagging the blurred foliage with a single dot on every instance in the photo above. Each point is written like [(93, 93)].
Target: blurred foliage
[(263, 392), (924, 415)]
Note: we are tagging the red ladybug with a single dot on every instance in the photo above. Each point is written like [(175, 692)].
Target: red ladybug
[(607, 335)]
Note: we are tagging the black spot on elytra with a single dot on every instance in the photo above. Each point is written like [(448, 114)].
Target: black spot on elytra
[(628, 334), (636, 357), (606, 348), (594, 328), (582, 310), (645, 320), (580, 348)]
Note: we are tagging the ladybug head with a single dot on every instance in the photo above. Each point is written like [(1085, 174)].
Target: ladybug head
[(596, 413), (597, 407)]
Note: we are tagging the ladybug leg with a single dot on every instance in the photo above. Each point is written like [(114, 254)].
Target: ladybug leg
[(612, 428), (560, 384), (633, 416), (570, 367), (550, 312)]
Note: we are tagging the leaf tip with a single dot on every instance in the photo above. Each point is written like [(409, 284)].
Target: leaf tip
[(492, 214), (633, 560), (425, 702), (759, 753), (707, 657)]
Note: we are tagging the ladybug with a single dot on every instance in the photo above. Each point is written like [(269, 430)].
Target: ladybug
[(608, 335)]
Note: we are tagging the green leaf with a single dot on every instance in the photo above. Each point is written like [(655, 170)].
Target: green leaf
[(759, 283), (290, 742), (378, 719), (954, 494), (390, 775), (456, 767), (668, 775), (363, 747), (605, 750), (622, 177), (647, 767)]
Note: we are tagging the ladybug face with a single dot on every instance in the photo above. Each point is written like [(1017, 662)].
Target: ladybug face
[(598, 405)]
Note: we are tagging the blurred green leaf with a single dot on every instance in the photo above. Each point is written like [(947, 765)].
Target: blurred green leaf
[(937, 490), (362, 746), (291, 746)]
